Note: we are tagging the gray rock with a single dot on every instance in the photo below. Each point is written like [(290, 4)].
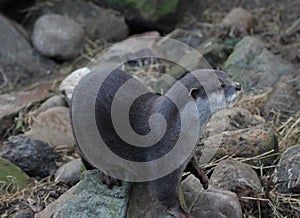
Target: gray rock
[(245, 143), (54, 101), (25, 213), (283, 98), (58, 37), (98, 23), (34, 157), (217, 203), (89, 198), (254, 67), (18, 60), (238, 178), (68, 85), (233, 176), (54, 127), (287, 175), (191, 188), (236, 132), (11, 104), (69, 173), (235, 118)]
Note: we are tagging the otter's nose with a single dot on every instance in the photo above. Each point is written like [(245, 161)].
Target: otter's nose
[(238, 87)]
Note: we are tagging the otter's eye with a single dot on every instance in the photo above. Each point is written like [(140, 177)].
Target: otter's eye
[(223, 85), (194, 92)]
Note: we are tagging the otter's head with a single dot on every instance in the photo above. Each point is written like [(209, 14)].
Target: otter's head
[(212, 90)]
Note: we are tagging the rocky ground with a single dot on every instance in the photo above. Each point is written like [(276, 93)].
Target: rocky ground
[(45, 49)]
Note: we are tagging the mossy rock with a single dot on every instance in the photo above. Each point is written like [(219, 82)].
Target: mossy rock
[(11, 176)]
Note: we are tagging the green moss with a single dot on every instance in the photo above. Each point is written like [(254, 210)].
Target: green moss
[(11, 176)]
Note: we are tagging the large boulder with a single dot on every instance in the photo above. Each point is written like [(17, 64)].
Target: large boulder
[(89, 198), (98, 23), (11, 104), (34, 157), (58, 37), (252, 65), (236, 132), (287, 175), (54, 127), (18, 60)]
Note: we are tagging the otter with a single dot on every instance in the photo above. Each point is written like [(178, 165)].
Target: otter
[(166, 188)]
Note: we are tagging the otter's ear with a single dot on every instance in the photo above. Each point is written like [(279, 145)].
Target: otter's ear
[(194, 92)]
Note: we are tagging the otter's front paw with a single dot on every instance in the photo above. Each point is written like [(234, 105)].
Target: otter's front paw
[(110, 182)]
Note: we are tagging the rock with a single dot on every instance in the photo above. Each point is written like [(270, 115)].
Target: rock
[(89, 198), (283, 98), (54, 101), (236, 118), (68, 85), (236, 132), (256, 68), (11, 104), (69, 173), (58, 37), (191, 188), (239, 22), (98, 23), (34, 157), (25, 213), (211, 202), (217, 203), (287, 175), (244, 143), (10, 173), (232, 175), (18, 60), (54, 127), (238, 178)]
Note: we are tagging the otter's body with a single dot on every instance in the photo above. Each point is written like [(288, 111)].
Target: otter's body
[(165, 189)]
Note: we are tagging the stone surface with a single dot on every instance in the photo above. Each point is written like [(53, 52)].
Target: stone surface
[(12, 103), (256, 68), (231, 175), (34, 157), (236, 132), (191, 188), (283, 98), (98, 23), (287, 175), (18, 60), (69, 173), (245, 143), (10, 173), (217, 203), (53, 127), (239, 21), (89, 198), (238, 178), (68, 85), (58, 37), (26, 213), (54, 101)]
